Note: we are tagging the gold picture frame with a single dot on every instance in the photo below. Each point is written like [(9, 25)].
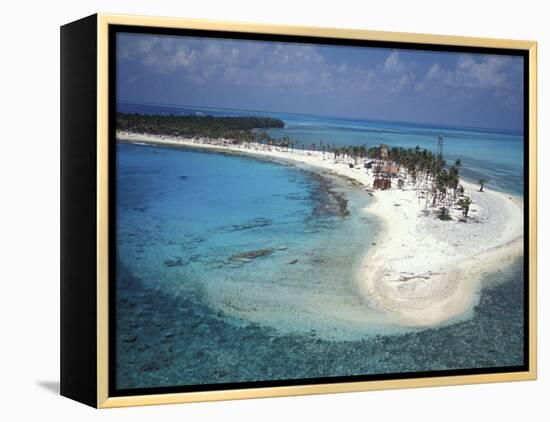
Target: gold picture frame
[(100, 23)]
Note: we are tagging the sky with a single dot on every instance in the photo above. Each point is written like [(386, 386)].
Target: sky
[(460, 89)]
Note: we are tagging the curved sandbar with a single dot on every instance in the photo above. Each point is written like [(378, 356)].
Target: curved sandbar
[(427, 271), (422, 271)]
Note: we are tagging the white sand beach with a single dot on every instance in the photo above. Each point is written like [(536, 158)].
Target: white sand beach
[(420, 270)]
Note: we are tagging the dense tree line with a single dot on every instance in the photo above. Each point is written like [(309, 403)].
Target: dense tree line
[(240, 128), (435, 181)]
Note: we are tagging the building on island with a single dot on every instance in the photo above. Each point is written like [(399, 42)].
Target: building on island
[(383, 171)]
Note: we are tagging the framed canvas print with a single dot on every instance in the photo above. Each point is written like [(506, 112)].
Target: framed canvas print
[(254, 211)]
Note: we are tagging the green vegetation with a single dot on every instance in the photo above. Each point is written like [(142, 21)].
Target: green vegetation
[(464, 204), (235, 128), (433, 179), (482, 184)]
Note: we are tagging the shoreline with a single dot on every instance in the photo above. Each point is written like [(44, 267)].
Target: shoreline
[(421, 271)]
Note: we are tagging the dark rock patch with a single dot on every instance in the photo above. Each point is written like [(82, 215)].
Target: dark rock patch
[(250, 224), (250, 255), (178, 262), (328, 202)]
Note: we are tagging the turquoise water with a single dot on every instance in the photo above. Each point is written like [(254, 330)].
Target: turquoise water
[(232, 269), (257, 241), (496, 155)]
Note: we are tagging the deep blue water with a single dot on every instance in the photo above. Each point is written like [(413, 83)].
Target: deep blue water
[(234, 269), (496, 155)]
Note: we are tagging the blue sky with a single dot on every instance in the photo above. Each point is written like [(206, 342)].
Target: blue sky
[(371, 83)]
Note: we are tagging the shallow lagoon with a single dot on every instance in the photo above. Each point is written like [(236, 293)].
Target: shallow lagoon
[(233, 269)]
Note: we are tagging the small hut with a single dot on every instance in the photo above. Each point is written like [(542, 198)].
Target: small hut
[(381, 183), (384, 170)]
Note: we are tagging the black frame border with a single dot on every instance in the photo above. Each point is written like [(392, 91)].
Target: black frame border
[(112, 95)]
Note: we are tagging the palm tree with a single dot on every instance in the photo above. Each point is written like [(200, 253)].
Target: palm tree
[(363, 152), (464, 204), (482, 184), (454, 179)]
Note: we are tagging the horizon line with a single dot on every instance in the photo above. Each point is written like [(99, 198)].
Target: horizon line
[(451, 126)]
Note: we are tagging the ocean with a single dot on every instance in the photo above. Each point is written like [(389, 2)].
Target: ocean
[(492, 154), (233, 269)]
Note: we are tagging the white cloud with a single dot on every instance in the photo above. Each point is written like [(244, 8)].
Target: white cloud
[(489, 71), (403, 82), (162, 54), (398, 74), (392, 63), (434, 71), (494, 75), (293, 68), (472, 72), (245, 63)]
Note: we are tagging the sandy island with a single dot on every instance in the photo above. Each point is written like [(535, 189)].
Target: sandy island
[(420, 270)]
